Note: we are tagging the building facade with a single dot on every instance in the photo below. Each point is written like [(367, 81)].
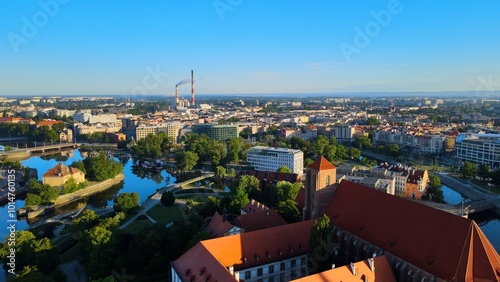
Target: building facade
[(172, 130), (220, 132), (59, 174), (270, 159), (479, 148)]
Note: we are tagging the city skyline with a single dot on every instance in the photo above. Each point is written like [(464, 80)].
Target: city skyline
[(66, 47)]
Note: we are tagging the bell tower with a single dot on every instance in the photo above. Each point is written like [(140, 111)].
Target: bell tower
[(320, 186)]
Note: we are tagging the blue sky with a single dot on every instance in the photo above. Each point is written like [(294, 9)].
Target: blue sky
[(59, 47)]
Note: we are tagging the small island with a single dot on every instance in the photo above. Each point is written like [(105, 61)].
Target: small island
[(65, 184)]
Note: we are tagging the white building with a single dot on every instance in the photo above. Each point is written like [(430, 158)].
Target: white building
[(343, 133), (81, 116), (172, 130), (270, 159), (102, 118), (479, 148)]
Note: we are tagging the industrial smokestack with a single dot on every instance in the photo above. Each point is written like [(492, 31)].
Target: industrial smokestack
[(192, 89), (176, 97)]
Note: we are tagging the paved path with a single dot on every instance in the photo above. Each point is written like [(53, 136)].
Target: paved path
[(74, 271)]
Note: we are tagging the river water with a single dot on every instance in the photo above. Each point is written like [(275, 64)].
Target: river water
[(145, 182)]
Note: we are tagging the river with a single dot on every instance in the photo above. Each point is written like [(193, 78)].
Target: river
[(145, 183)]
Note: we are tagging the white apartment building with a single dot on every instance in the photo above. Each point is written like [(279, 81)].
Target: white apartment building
[(172, 130), (479, 148), (81, 116), (270, 159), (343, 133), (102, 118)]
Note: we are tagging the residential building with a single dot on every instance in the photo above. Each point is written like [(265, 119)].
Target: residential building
[(59, 174), (172, 130), (102, 118), (343, 133), (409, 182), (270, 159), (219, 132), (66, 136), (479, 148), (82, 116)]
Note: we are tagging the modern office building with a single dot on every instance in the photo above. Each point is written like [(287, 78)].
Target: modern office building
[(172, 130), (270, 159), (219, 132), (479, 148), (343, 133)]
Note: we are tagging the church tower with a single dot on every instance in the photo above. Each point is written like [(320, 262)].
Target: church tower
[(320, 186)]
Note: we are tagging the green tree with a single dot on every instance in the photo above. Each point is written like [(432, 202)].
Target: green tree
[(122, 145), (101, 167), (484, 171), (320, 144), (341, 153), (287, 191), (289, 211), (186, 160), (126, 202), (330, 152), (373, 121), (284, 169), (32, 200), (434, 190), (167, 198), (354, 153), (495, 177), (239, 201), (234, 146), (69, 186), (80, 165), (308, 162), (220, 172), (393, 150), (320, 243), (58, 127), (468, 169), (362, 142)]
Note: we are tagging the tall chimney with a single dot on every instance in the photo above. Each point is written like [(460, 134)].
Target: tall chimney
[(192, 90), (176, 97)]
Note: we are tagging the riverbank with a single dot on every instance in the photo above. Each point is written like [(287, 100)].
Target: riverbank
[(90, 190)]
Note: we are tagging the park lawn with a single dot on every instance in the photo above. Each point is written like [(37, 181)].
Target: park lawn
[(137, 226), (163, 215), (196, 198)]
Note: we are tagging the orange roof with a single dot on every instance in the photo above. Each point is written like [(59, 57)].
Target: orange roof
[(61, 170), (448, 246), (322, 164), (243, 251), (47, 122), (381, 272)]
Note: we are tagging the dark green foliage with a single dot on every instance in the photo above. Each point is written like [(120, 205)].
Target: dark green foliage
[(126, 202), (167, 198), (80, 165), (101, 167), (320, 246), (186, 160), (153, 146), (468, 169)]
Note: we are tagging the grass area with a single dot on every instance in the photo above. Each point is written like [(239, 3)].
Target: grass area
[(196, 198), (137, 226), (164, 215)]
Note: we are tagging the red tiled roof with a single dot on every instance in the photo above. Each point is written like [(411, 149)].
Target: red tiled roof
[(218, 226), (61, 170), (322, 164), (382, 272), (448, 246), (243, 251), (259, 220), (254, 206), (47, 122)]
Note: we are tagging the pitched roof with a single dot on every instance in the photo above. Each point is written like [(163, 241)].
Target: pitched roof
[(382, 272), (61, 170), (218, 226), (47, 122), (451, 247), (322, 164), (259, 220), (243, 251)]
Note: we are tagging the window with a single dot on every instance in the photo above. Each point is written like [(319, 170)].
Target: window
[(271, 269), (247, 274), (303, 261), (327, 181), (294, 263), (282, 266), (259, 272)]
